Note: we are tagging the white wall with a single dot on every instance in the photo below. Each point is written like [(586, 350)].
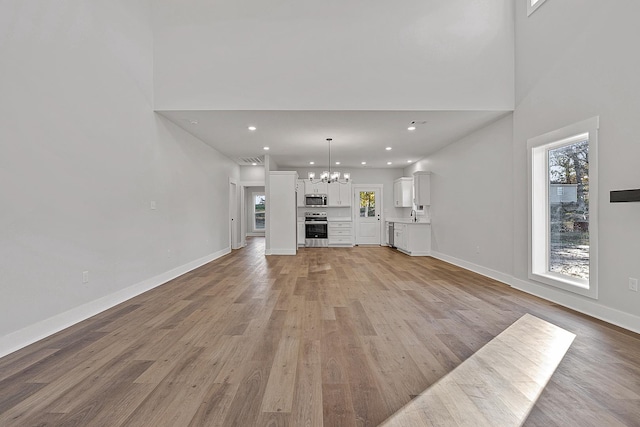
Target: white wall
[(576, 59), (471, 190), (82, 155), (252, 173), (334, 55)]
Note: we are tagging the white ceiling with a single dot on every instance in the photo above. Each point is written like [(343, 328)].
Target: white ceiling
[(297, 137)]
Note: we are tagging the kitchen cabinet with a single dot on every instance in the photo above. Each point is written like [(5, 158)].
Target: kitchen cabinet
[(301, 233), (339, 194), (400, 236), (300, 192), (413, 238), (422, 189), (340, 233), (315, 187), (402, 189)]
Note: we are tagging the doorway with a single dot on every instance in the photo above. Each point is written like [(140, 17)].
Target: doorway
[(368, 212)]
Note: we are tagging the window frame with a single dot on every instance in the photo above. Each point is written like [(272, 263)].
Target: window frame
[(254, 194), (532, 5), (538, 209)]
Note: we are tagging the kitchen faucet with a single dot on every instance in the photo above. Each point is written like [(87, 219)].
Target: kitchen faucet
[(414, 215)]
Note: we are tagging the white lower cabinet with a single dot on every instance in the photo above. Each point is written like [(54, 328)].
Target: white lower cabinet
[(413, 239), (400, 236), (340, 233)]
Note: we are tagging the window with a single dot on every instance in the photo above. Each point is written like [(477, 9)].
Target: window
[(532, 5), (367, 204), (564, 208), (258, 211)]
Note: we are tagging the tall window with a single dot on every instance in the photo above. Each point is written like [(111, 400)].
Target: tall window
[(563, 211), (258, 211)]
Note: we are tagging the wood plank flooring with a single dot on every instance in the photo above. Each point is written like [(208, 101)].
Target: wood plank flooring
[(497, 386), (332, 336)]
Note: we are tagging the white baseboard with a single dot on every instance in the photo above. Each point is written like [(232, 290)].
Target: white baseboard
[(417, 253), (281, 252), (574, 302), (579, 304), (493, 274), (30, 334)]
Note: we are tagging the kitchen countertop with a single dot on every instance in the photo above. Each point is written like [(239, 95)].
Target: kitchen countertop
[(331, 219), (408, 221)]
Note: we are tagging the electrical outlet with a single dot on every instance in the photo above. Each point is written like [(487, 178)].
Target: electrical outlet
[(477, 249), (633, 284), (152, 205), (85, 277)]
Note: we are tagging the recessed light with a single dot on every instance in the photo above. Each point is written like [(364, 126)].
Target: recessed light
[(254, 164), (266, 148), (252, 128), (312, 163), (411, 128), (409, 161), (364, 163), (193, 122), (337, 163), (388, 148), (389, 163)]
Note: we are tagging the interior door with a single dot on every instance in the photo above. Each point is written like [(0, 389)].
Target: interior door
[(233, 215), (368, 207)]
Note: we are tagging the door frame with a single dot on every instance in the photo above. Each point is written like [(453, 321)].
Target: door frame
[(243, 208), (356, 207)]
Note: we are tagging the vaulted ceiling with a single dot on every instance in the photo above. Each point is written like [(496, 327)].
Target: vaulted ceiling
[(357, 71)]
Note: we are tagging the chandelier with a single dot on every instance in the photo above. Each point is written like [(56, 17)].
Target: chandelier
[(329, 176)]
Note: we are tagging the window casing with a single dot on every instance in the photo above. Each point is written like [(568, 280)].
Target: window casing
[(563, 228), (258, 212), (533, 5)]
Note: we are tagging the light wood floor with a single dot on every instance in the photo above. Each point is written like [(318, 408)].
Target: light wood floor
[(332, 336), (497, 386)]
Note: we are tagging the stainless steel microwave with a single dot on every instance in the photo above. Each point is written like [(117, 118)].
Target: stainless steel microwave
[(315, 200)]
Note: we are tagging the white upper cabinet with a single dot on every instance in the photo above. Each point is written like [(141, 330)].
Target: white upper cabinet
[(339, 194), (422, 189), (315, 188), (402, 189)]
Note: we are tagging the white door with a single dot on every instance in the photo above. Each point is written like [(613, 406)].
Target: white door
[(233, 215), (367, 208)]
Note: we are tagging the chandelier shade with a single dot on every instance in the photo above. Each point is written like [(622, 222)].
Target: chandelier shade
[(329, 176)]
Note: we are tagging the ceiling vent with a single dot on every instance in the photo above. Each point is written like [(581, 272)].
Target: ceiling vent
[(251, 160)]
